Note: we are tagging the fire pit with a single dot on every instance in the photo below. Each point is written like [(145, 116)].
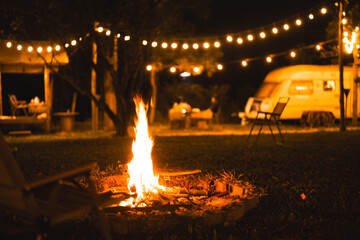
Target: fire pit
[(149, 203)]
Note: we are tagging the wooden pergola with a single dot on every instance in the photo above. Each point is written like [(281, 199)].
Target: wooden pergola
[(20, 59)]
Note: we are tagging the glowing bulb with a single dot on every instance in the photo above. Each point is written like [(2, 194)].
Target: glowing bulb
[(220, 67), (49, 49), (262, 35), (185, 46), (206, 45), (108, 32), (39, 49), (144, 42), (344, 21), (57, 48), (195, 46), (80, 39), (286, 27), (118, 35), (244, 63), (311, 16), (127, 38), (298, 22), (269, 59), (318, 47), (66, 45), (323, 11), (8, 44), (217, 44), (149, 67), (154, 44), (164, 45), (239, 40), (275, 30), (100, 29), (172, 69), (229, 38), (30, 49), (174, 45), (293, 54), (196, 69), (346, 34), (73, 42), (250, 37), (19, 47)]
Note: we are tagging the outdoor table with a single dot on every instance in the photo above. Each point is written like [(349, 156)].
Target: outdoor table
[(67, 120)]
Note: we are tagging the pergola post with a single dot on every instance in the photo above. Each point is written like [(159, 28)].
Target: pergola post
[(48, 97), (1, 101)]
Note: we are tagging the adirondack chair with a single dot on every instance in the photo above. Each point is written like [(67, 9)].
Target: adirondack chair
[(16, 104), (49, 201), (270, 118)]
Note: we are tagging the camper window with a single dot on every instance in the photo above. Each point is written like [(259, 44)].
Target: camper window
[(267, 89), (329, 85), (301, 87)]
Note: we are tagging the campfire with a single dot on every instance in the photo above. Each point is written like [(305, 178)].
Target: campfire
[(170, 195)]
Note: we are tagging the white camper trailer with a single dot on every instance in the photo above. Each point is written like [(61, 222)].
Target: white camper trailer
[(310, 88)]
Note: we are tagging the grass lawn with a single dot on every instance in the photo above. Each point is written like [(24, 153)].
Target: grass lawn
[(323, 166)]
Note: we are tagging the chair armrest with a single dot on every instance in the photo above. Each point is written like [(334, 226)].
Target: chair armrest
[(69, 174)]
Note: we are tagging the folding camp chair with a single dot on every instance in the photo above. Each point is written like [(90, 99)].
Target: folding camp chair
[(49, 201), (270, 118), (16, 104)]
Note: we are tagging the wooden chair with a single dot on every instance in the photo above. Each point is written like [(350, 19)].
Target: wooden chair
[(49, 201), (16, 104), (270, 118)]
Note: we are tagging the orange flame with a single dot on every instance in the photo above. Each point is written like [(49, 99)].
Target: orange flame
[(142, 179)]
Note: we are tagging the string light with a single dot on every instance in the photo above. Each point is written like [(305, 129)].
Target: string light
[(73, 42), (220, 67), (144, 42), (30, 49), (49, 49), (39, 49), (250, 37), (173, 69), (292, 54), (154, 44), (239, 40), (323, 11), (206, 45), (244, 63), (108, 32), (57, 48), (149, 67), (174, 45), (164, 45), (311, 16), (298, 22), (286, 27), (217, 44), (66, 45), (100, 29), (118, 35), (229, 38), (19, 47), (275, 30), (185, 46), (268, 59), (8, 44), (195, 46), (318, 47), (262, 35), (127, 38)]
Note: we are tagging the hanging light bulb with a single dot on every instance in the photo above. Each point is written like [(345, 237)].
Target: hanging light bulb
[(217, 44), (19, 47), (243, 63), (57, 48), (239, 40), (164, 45), (250, 37), (39, 49), (30, 49), (318, 47), (185, 46), (344, 21), (219, 67), (286, 27), (100, 29), (323, 11), (269, 59), (118, 35), (108, 32), (144, 42), (73, 42), (66, 45), (172, 69), (127, 38), (195, 46), (174, 45), (206, 45), (292, 54), (311, 16), (298, 22), (49, 49), (229, 38), (196, 70), (275, 30), (154, 44), (262, 35)]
